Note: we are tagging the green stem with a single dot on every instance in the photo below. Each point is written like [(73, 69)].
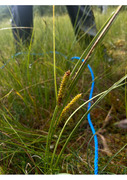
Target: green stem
[(54, 58), (49, 137), (28, 61)]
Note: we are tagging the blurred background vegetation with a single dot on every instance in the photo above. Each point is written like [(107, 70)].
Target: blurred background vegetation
[(38, 10), (42, 10)]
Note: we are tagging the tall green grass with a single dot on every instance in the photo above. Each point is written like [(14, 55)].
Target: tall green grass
[(28, 105)]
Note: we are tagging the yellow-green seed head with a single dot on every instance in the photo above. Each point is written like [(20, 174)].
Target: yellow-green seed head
[(62, 87), (69, 105)]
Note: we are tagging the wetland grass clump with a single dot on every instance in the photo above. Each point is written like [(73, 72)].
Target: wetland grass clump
[(32, 142)]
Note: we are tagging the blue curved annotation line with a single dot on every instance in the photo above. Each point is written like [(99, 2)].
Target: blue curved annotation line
[(89, 118)]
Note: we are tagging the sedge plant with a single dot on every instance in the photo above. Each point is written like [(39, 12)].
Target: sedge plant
[(30, 128)]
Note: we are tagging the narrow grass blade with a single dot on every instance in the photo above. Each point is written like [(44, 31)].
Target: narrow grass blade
[(28, 60), (7, 94), (49, 137), (112, 158), (54, 58)]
